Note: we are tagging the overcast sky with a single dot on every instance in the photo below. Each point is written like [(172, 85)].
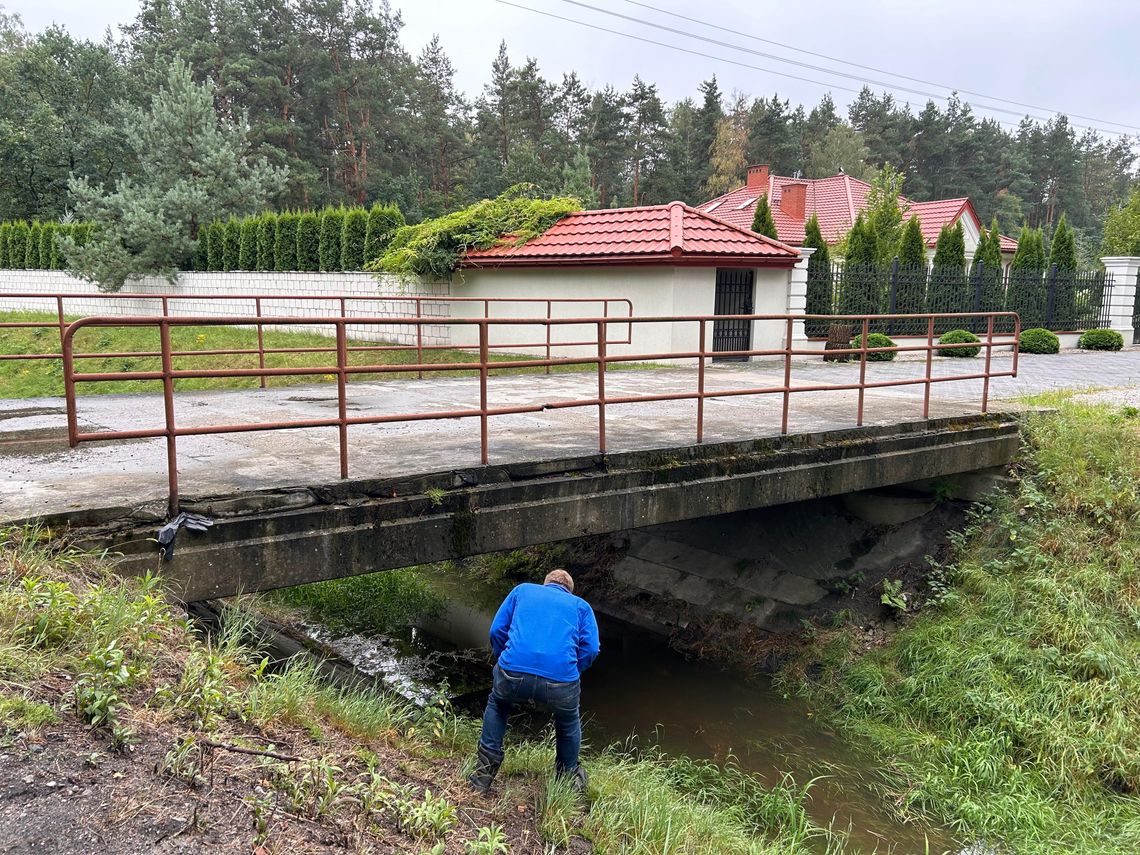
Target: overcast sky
[(1079, 58)]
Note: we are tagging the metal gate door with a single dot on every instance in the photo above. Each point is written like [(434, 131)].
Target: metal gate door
[(733, 297)]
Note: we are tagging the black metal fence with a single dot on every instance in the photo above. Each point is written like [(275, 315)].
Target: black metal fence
[(1062, 301)]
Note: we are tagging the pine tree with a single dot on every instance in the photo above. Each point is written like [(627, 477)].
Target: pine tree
[(5, 231), (216, 246), (32, 247), (763, 223), (285, 245), (332, 228), (232, 244), (266, 240), (383, 222), (18, 245), (189, 165), (354, 229), (309, 241), (247, 244), (818, 277)]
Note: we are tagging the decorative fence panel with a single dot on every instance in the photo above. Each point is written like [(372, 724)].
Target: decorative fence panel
[(1062, 301)]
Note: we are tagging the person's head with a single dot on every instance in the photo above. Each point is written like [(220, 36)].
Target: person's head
[(560, 577)]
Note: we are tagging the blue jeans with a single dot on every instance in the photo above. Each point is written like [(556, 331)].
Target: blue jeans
[(510, 688)]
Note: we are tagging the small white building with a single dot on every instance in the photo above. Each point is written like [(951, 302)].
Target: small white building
[(667, 260)]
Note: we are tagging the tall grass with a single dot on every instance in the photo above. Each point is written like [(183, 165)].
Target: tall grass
[(1011, 711)]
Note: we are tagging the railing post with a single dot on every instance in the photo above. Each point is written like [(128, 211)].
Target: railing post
[(788, 376), (1051, 296), (67, 347), (893, 301), (863, 367), (342, 392), (420, 337), (549, 305), (979, 273), (701, 383), (62, 323), (168, 407), (929, 366), (602, 387), (484, 350), (989, 353), (260, 339)]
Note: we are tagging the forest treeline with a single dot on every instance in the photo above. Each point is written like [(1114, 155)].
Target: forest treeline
[(329, 90)]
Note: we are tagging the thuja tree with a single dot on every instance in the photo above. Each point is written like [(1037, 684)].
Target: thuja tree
[(285, 247), (763, 223), (247, 244), (309, 241), (985, 272), (232, 247), (5, 230), (18, 245), (1027, 289), (202, 250), (48, 255), (266, 238), (383, 223), (353, 232), (215, 246), (332, 226), (818, 277), (32, 248), (1063, 277), (949, 288), (911, 276), (859, 286), (190, 166)]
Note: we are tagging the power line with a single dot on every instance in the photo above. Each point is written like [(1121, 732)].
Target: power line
[(885, 84), (691, 52), (880, 70)]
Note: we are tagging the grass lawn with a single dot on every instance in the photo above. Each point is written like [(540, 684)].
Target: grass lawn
[(44, 377)]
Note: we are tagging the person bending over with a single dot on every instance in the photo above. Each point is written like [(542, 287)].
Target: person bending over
[(543, 638)]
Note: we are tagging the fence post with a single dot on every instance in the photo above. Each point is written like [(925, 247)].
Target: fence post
[(979, 273), (893, 303), (1051, 296), (1122, 275)]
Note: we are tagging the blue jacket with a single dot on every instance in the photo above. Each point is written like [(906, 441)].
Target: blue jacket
[(545, 630)]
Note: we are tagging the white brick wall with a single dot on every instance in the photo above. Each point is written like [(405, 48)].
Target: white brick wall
[(192, 294)]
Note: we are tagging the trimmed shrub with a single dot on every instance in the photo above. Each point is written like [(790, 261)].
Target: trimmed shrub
[(1101, 340), (876, 340), (18, 245), (201, 250), (247, 244), (285, 247), (383, 221), (959, 337), (231, 246), (332, 226), (5, 230), (216, 246), (47, 246), (266, 238), (352, 239), (309, 241), (32, 247), (1038, 340)]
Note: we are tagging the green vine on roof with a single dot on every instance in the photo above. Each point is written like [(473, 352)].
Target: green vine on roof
[(433, 248)]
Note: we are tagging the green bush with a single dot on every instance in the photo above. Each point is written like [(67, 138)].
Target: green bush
[(266, 238), (5, 230), (309, 241), (383, 221), (216, 246), (47, 246), (352, 239), (32, 247), (959, 337), (231, 248), (332, 225), (285, 247), (247, 244), (1101, 340), (17, 245), (876, 340), (1038, 340)]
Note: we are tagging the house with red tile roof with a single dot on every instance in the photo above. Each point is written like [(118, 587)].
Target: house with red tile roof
[(668, 260), (836, 201)]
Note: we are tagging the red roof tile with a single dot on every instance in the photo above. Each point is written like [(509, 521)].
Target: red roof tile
[(835, 201), (672, 234)]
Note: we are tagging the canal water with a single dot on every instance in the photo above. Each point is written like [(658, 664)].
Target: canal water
[(641, 690)]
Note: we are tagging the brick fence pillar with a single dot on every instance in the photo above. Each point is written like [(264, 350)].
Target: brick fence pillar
[(797, 293), (1124, 271)]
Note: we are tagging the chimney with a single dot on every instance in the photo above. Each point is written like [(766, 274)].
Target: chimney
[(793, 200), (758, 176)]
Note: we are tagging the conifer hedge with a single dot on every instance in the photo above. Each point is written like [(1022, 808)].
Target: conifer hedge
[(266, 238), (247, 244), (285, 247), (383, 222), (32, 247), (352, 239), (5, 230), (332, 227), (309, 241), (232, 244)]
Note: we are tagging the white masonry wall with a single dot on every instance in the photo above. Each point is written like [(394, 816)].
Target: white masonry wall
[(195, 294)]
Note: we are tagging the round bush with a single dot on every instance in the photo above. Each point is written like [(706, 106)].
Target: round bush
[(1101, 340), (1038, 341), (959, 337), (876, 340)]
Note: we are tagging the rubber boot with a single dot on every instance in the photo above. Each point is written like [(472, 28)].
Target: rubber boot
[(486, 767), (577, 776)]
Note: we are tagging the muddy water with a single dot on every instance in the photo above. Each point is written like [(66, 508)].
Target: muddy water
[(640, 688)]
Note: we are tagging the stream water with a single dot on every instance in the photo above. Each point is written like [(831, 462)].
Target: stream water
[(641, 688)]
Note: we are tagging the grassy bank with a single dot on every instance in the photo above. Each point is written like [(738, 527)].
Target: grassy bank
[(44, 377), (1010, 709), (127, 729)]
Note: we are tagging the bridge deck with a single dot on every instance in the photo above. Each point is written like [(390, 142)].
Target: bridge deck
[(39, 475)]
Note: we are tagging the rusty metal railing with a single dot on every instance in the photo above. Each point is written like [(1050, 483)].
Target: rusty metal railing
[(615, 307), (481, 364)]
